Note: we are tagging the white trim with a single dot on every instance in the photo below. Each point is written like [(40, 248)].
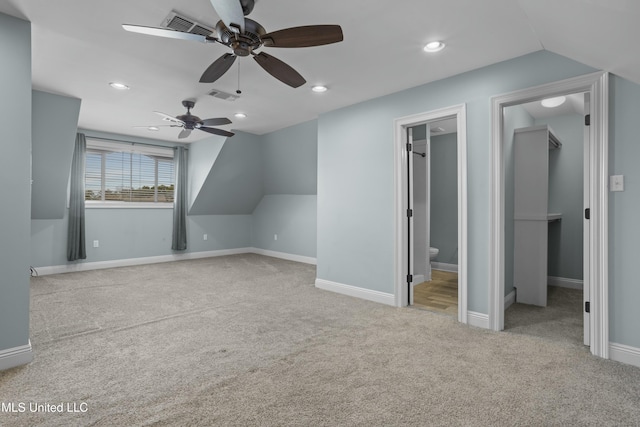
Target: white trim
[(597, 85), (563, 282), (509, 299), (400, 176), (418, 278), (98, 265), (479, 320), (354, 291), (283, 255), (16, 356), (443, 266), (625, 354)]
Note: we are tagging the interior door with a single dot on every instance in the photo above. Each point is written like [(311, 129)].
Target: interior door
[(410, 227), (586, 243)]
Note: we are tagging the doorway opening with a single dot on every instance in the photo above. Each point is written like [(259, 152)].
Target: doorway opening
[(596, 198), (546, 173), (406, 228), (435, 214)]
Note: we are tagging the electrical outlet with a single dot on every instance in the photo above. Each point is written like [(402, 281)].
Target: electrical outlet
[(204, 237), (96, 243)]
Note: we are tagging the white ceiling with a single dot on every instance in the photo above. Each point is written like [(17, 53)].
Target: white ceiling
[(79, 47)]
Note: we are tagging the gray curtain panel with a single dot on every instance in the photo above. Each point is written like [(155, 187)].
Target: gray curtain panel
[(179, 241), (76, 248)]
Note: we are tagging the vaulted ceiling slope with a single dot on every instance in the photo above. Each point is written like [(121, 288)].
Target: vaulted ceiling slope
[(80, 46)]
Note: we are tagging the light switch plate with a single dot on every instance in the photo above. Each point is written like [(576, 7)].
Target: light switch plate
[(616, 183)]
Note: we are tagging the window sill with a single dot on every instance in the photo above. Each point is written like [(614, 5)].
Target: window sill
[(133, 205)]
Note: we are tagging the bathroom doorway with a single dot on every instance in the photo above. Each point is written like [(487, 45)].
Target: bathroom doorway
[(435, 212), (408, 225)]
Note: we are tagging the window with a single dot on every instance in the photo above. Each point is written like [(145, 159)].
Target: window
[(120, 174)]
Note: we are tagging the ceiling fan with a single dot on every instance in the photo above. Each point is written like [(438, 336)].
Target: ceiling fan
[(244, 36), (189, 122)]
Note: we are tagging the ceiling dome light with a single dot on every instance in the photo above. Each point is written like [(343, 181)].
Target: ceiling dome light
[(319, 88), (119, 86), (435, 46), (240, 115), (153, 128), (553, 102)]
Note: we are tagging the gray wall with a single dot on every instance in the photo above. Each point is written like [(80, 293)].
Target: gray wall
[(234, 184), (15, 174), (356, 241), (289, 205), (444, 197), (624, 231), (54, 127)]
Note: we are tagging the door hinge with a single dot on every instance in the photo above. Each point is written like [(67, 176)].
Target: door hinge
[(587, 307), (587, 120), (409, 213), (409, 278), (409, 147), (587, 213)]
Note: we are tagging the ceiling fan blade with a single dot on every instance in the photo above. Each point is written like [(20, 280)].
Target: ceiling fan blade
[(169, 118), (230, 11), (216, 122), (184, 133), (216, 131), (279, 70), (163, 32), (218, 68), (306, 36), (159, 126)]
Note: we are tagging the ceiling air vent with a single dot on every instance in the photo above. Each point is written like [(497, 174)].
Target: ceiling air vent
[(223, 95), (178, 22)]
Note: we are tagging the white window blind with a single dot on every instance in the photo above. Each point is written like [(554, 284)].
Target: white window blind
[(121, 174)]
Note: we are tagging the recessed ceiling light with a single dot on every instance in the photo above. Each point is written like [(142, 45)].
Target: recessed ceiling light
[(153, 128), (240, 115), (434, 46), (553, 102), (119, 86), (319, 88)]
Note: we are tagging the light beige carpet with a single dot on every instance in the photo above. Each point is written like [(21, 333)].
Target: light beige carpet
[(249, 341)]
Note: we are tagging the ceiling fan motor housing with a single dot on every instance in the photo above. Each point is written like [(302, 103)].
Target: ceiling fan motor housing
[(245, 43)]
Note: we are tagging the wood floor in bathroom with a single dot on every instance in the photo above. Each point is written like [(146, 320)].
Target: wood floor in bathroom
[(440, 294)]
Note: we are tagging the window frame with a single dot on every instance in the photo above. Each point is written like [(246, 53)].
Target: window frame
[(157, 152)]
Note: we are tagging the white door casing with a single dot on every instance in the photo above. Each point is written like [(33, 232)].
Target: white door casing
[(401, 127), (596, 84)]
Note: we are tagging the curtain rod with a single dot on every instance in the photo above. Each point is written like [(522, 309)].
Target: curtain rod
[(132, 142)]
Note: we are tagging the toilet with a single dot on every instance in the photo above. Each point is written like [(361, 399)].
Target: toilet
[(433, 253)]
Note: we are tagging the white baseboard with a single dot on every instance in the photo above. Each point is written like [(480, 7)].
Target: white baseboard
[(479, 320), (284, 255), (443, 266), (509, 299), (625, 354), (354, 291), (417, 279), (16, 356), (98, 265), (563, 282)]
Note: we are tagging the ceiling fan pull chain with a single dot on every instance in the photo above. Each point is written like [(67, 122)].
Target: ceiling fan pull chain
[(238, 91)]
